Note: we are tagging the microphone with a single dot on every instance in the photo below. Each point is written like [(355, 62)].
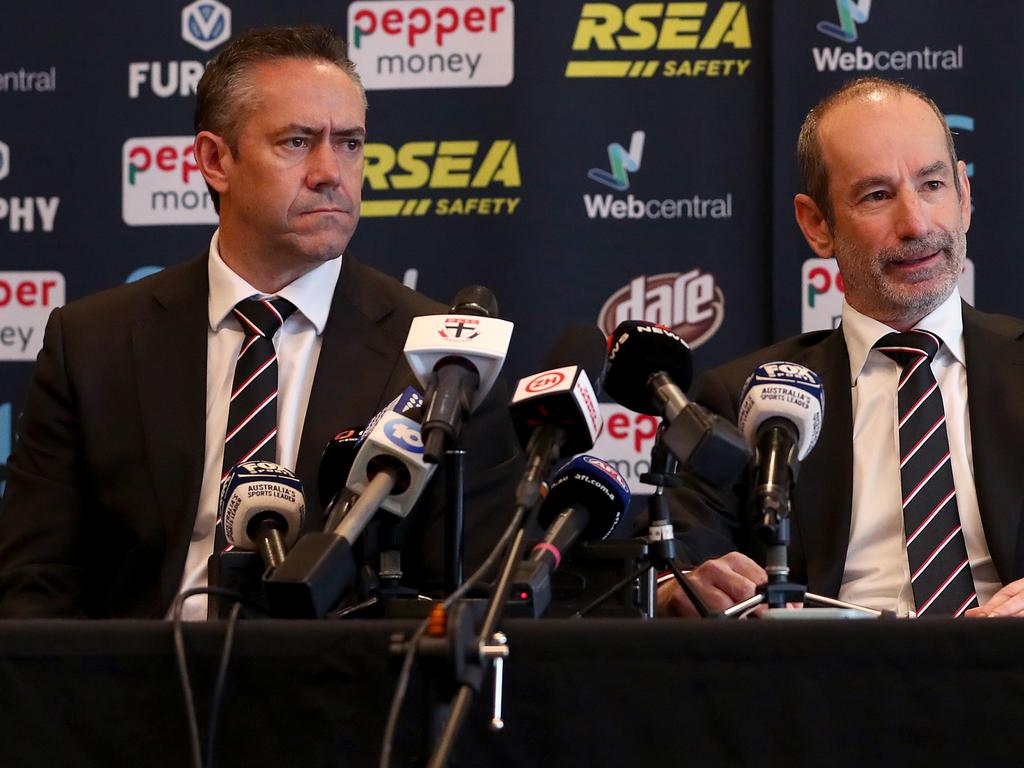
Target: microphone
[(335, 464), (456, 357), (262, 509), (780, 414), (586, 502), (555, 412), (648, 369), (387, 473)]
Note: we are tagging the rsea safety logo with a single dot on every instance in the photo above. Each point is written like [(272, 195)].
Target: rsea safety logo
[(161, 183), (661, 39), (474, 178), (822, 292), (839, 59), (625, 444), (24, 213), (689, 303), (26, 300), (633, 207), (204, 24), (431, 43)]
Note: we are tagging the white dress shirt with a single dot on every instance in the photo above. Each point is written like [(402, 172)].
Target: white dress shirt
[(298, 349), (877, 572)]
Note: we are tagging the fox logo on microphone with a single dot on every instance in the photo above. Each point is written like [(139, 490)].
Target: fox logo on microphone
[(787, 390)]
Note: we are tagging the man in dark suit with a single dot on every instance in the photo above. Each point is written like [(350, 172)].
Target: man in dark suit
[(112, 493), (885, 195)]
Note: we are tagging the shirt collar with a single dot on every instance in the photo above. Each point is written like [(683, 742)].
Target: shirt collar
[(311, 294), (862, 332)]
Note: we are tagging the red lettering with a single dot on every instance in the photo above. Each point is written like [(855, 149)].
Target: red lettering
[(165, 158), (413, 29), (442, 29), (474, 19), (618, 426), (826, 279), (140, 158), (367, 15), (494, 17), (188, 166), (46, 286), (26, 292), (5, 293), (391, 21), (640, 435)]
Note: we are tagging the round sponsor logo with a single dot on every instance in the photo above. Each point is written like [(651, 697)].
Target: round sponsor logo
[(689, 303), (544, 381), (404, 436)]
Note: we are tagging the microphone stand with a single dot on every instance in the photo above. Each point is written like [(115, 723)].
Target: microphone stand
[(661, 542), (455, 474)]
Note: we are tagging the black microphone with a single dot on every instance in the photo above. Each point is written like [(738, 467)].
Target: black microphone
[(555, 412), (456, 357), (586, 502), (335, 464), (648, 369)]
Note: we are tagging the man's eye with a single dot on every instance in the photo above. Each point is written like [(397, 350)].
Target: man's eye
[(352, 145), (933, 185), (295, 142), (876, 196)]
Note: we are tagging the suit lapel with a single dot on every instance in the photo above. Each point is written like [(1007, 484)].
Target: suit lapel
[(995, 379), (357, 365), (169, 357), (821, 504)]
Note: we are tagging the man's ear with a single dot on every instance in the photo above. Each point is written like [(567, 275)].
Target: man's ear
[(214, 158), (812, 223), (965, 194)]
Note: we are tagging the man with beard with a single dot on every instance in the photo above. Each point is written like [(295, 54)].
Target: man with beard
[(910, 501)]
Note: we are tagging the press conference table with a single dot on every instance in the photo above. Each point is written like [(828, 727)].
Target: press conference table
[(587, 693)]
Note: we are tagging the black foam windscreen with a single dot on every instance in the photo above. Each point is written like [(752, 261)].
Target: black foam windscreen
[(590, 487), (582, 345), (475, 300), (638, 350)]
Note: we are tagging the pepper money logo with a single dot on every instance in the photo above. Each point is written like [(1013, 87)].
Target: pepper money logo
[(407, 176), (612, 41), (621, 162), (851, 13)]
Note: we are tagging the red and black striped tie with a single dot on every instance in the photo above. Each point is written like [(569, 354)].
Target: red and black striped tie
[(252, 412), (939, 567)]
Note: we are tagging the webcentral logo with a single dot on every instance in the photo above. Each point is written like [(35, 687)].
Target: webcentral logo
[(621, 162), (631, 207), (854, 12), (851, 13), (614, 41), (205, 24)]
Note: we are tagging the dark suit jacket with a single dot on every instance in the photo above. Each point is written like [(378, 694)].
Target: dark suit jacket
[(104, 481), (715, 522)]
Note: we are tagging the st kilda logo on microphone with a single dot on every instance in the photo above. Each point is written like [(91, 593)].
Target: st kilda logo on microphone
[(691, 304), (460, 328)]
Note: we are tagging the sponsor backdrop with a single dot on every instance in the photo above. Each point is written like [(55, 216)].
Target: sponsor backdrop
[(589, 161)]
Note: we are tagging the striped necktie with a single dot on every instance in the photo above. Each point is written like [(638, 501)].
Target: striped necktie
[(252, 412), (939, 567)]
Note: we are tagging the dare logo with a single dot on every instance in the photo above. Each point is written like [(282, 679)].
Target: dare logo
[(441, 178), (689, 303), (645, 39)]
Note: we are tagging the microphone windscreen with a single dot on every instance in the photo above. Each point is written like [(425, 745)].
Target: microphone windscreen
[(475, 300), (638, 350), (582, 345), (595, 485), (783, 390)]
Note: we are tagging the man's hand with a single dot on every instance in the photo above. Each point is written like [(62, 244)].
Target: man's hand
[(721, 583), (1008, 601)]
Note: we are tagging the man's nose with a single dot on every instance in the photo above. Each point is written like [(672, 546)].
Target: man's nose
[(912, 221), (323, 167)]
